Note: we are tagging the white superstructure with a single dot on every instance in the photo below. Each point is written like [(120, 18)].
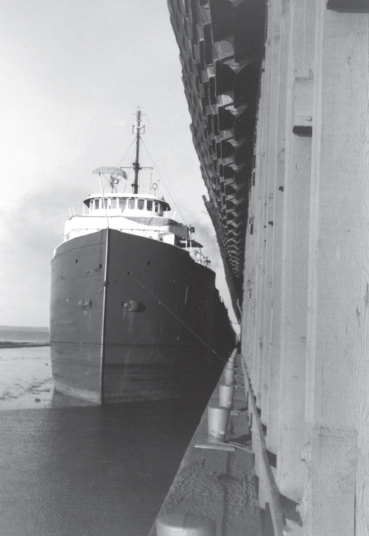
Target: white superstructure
[(139, 214)]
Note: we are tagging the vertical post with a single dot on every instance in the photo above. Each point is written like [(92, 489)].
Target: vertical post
[(272, 64), (338, 324), (260, 303), (248, 295), (258, 198), (290, 469), (279, 168)]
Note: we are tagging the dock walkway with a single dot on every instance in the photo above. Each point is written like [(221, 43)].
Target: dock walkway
[(218, 484)]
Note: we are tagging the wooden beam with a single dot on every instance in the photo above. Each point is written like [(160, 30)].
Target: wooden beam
[(337, 403), (349, 6), (296, 215)]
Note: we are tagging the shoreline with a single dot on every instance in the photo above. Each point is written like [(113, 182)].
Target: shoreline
[(8, 344)]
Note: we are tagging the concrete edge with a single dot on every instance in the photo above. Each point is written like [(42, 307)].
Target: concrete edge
[(278, 519), (199, 437)]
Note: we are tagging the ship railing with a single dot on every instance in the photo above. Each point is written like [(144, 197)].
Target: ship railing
[(198, 257)]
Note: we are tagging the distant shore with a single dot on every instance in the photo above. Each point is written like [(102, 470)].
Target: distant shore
[(8, 344)]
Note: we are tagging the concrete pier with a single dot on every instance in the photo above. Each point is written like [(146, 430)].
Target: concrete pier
[(216, 483)]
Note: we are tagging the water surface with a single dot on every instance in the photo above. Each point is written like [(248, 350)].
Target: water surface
[(72, 470)]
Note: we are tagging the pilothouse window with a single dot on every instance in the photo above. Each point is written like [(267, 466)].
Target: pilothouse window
[(158, 208), (123, 203)]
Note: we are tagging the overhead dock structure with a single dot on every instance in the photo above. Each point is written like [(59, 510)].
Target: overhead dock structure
[(220, 65), (279, 97)]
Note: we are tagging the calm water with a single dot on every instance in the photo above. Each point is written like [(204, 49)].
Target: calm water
[(68, 470)]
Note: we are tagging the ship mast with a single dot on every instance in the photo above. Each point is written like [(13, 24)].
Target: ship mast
[(136, 164)]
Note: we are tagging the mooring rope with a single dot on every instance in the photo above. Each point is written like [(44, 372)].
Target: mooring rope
[(176, 316)]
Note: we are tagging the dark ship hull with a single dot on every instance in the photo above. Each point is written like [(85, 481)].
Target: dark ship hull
[(127, 316)]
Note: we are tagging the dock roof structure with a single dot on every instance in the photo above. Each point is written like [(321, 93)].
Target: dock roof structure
[(221, 65)]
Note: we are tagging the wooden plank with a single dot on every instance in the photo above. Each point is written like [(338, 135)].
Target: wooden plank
[(247, 304), (265, 231), (330, 500), (278, 174), (259, 245), (290, 470), (272, 64), (338, 400)]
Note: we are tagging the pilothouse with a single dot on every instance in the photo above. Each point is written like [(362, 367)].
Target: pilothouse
[(136, 213)]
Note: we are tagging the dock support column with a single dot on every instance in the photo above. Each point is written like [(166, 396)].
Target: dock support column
[(271, 103), (259, 259), (259, 249), (277, 171), (337, 404), (290, 469)]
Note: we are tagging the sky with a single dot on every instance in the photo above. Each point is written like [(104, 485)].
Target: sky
[(72, 75)]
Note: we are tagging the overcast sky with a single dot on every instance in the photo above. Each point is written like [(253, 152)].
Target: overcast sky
[(72, 74)]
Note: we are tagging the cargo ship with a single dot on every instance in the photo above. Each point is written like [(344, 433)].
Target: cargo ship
[(135, 314)]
